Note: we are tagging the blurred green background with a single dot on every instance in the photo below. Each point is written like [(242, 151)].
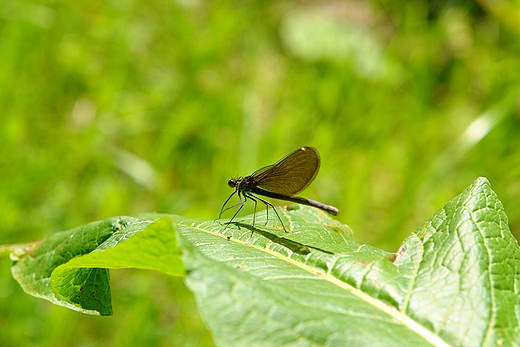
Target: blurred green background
[(124, 107)]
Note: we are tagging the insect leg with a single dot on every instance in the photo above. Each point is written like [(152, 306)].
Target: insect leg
[(254, 210), (230, 207), (267, 204), (222, 209), (241, 203)]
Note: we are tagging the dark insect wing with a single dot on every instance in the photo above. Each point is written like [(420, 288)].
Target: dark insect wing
[(282, 181), (291, 174)]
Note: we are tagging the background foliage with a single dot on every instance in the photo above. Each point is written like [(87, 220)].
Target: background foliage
[(126, 107)]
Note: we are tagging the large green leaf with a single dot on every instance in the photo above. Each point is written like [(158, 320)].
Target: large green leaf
[(454, 282)]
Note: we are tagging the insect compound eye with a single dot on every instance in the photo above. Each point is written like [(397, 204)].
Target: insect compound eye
[(232, 183)]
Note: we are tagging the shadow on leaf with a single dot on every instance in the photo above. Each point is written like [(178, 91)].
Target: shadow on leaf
[(294, 246)]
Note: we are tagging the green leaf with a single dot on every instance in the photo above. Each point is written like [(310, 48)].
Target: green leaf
[(71, 268), (453, 282)]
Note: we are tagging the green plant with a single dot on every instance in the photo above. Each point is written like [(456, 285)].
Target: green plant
[(453, 282)]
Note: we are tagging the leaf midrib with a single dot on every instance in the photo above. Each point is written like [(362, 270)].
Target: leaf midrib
[(391, 311)]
